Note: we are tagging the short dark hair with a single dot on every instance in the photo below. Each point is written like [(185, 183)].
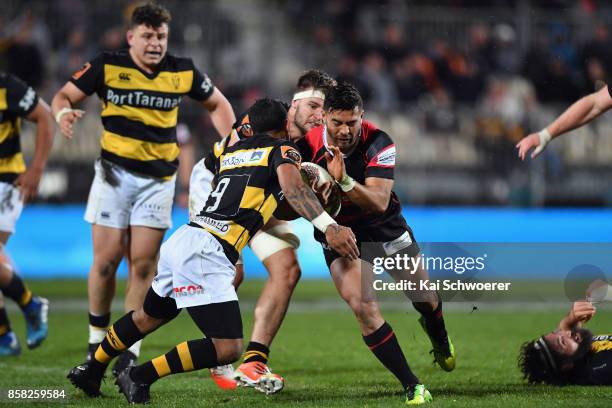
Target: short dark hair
[(315, 79), (267, 115), (151, 15), (343, 96)]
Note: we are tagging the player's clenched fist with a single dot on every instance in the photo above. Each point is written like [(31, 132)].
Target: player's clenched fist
[(342, 240), (582, 311)]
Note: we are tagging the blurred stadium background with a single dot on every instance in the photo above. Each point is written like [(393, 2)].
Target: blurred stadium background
[(456, 83)]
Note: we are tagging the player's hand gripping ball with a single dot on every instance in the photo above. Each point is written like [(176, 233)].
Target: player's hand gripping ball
[(324, 186)]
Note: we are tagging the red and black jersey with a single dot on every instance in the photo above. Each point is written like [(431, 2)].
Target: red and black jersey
[(374, 156)]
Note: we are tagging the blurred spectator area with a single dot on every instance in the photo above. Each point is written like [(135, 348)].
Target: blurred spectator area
[(456, 83)]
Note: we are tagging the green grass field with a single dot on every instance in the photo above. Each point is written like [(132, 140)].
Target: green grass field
[(321, 355)]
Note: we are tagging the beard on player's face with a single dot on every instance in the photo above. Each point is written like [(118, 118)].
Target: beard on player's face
[(343, 127), (308, 115)]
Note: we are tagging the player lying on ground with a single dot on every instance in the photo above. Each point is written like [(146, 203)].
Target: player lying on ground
[(196, 265), (18, 185), (580, 113), (275, 245), (569, 355), (130, 201), (361, 158)]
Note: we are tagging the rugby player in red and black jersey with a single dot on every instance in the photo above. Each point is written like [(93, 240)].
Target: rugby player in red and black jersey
[(361, 158), (569, 355)]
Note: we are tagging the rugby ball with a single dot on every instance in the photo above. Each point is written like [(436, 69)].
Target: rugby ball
[(314, 176)]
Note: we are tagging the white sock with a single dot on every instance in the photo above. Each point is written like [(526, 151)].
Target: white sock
[(135, 348), (96, 334)]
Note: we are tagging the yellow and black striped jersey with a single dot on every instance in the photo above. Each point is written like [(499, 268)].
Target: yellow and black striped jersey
[(246, 191), (17, 100), (140, 110), (596, 369)]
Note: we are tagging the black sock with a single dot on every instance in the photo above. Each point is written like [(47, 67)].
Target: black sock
[(385, 347), (99, 321), (434, 320), (5, 324), (187, 356), (17, 291), (120, 336), (256, 352)]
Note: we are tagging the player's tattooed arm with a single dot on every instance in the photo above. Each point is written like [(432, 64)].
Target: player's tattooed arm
[(305, 203), (301, 197)]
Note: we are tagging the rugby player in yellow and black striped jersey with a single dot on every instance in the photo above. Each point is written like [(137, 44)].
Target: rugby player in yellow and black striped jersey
[(130, 201), (569, 355), (19, 184), (196, 265)]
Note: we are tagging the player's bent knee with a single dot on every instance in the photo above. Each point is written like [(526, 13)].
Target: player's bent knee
[(228, 350), (161, 308), (146, 323)]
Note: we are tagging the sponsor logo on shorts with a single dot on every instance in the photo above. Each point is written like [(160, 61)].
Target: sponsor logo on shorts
[(404, 241), (154, 207), (105, 214), (189, 290), (220, 227)]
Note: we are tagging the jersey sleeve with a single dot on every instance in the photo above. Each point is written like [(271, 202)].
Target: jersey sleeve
[(21, 99), (380, 157), (210, 162), (202, 87), (90, 78), (285, 152)]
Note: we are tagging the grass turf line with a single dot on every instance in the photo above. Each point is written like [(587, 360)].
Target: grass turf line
[(324, 360)]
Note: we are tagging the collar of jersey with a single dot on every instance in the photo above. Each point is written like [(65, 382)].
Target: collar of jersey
[(157, 70)]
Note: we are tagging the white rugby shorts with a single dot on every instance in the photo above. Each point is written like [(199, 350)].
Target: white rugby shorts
[(194, 270), (11, 205), (136, 200)]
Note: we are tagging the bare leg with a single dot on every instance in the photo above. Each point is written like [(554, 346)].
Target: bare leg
[(284, 274)]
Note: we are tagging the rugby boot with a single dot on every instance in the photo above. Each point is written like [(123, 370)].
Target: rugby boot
[(135, 392), (85, 378), (417, 394), (443, 349), (9, 345), (223, 376), (36, 314), (91, 350), (125, 360), (259, 376)]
